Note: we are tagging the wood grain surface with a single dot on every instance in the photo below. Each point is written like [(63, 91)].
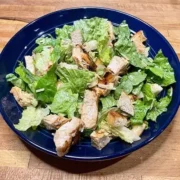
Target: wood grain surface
[(159, 160)]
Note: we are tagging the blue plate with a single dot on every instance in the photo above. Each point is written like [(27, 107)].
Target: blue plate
[(24, 41)]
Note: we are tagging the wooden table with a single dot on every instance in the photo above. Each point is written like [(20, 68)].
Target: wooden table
[(159, 160)]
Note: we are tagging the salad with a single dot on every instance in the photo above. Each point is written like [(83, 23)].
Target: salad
[(93, 80)]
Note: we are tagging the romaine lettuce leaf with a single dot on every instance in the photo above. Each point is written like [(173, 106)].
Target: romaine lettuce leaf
[(15, 81), (159, 106), (147, 91), (31, 117), (125, 47), (65, 102), (160, 71), (26, 76), (140, 110), (46, 86), (129, 81), (137, 89), (97, 29), (108, 102), (76, 79)]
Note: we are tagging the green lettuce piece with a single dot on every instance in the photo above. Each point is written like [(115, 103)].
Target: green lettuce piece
[(126, 48), (97, 29), (42, 60), (159, 106), (140, 111), (137, 89), (160, 71), (15, 81), (123, 133), (65, 102), (77, 80), (147, 91), (108, 102), (46, 86), (129, 81), (31, 117), (26, 76)]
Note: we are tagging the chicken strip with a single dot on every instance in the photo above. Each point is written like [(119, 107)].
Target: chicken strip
[(100, 138), (116, 119), (76, 38), (118, 65), (82, 59), (125, 104), (138, 40), (90, 109), (23, 98), (30, 64), (100, 92), (53, 121), (64, 137)]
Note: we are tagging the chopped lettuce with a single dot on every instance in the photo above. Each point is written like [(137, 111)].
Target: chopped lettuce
[(46, 86), (76, 79), (160, 71), (26, 76), (97, 29), (140, 110), (108, 102), (159, 106), (137, 89), (147, 91), (31, 117), (65, 102), (126, 48), (129, 81), (15, 81)]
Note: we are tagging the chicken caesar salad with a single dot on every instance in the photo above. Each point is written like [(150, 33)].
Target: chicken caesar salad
[(93, 80)]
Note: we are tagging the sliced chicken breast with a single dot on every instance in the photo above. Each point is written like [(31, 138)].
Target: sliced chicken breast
[(118, 65), (125, 104), (138, 40), (82, 59), (53, 121), (30, 64), (90, 109), (23, 98), (100, 138), (64, 137), (116, 119), (100, 92), (76, 38)]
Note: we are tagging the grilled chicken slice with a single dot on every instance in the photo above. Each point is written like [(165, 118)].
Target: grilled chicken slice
[(109, 86), (100, 92), (118, 65), (23, 98), (90, 109), (100, 138), (30, 64), (116, 119), (156, 88), (90, 46), (76, 38), (64, 137), (125, 104), (82, 59), (53, 121), (138, 129), (138, 40)]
